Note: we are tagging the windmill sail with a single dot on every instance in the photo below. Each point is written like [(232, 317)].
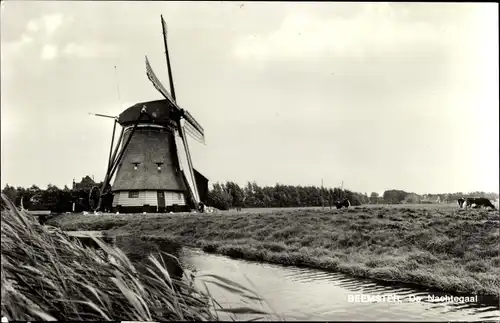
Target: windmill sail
[(189, 172), (190, 186), (193, 189), (192, 183), (170, 77), (194, 133), (156, 82), (194, 129), (189, 126)]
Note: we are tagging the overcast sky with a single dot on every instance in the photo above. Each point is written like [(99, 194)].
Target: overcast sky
[(380, 96)]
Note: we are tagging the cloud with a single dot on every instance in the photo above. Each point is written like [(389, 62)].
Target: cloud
[(49, 23), (31, 35), (32, 26), (378, 29), (52, 22), (10, 48), (89, 50), (49, 52)]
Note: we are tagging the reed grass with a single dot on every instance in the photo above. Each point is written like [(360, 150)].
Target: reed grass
[(46, 275)]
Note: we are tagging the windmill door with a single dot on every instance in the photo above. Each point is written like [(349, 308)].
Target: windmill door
[(161, 201)]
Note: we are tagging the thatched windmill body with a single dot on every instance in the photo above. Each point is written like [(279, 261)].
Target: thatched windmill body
[(150, 176)]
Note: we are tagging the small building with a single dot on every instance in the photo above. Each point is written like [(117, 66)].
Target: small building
[(430, 199), (85, 184), (411, 198)]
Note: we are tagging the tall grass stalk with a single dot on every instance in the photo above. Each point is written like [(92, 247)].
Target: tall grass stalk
[(46, 275)]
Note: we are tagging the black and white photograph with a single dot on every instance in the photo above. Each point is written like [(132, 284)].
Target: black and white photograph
[(258, 160)]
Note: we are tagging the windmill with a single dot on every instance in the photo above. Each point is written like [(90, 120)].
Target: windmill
[(149, 174)]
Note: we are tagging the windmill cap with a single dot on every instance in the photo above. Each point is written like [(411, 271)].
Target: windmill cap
[(160, 110)]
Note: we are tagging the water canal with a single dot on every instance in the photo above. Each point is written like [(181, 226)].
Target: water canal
[(310, 294)]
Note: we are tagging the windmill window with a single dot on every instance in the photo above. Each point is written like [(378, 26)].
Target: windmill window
[(159, 166), (133, 194)]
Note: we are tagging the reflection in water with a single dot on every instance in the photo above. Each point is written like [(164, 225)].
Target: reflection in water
[(309, 294)]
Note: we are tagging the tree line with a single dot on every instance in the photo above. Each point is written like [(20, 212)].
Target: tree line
[(400, 196), (52, 198), (229, 195)]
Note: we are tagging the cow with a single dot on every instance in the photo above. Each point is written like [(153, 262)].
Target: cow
[(342, 203), (478, 202), (461, 202)]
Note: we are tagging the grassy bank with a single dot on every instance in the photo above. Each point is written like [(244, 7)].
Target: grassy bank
[(444, 248), (46, 275)]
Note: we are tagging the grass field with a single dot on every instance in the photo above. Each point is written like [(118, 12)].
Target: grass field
[(435, 246)]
